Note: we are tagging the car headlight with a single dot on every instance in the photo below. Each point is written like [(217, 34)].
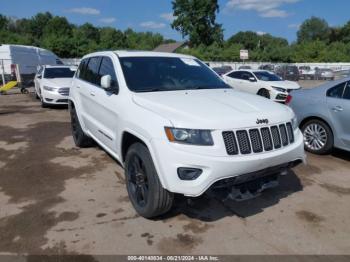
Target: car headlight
[(294, 123), (189, 136), (49, 88), (279, 89)]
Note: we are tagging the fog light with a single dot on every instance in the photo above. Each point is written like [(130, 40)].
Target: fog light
[(187, 173)]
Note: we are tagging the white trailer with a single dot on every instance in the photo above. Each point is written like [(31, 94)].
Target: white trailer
[(28, 58)]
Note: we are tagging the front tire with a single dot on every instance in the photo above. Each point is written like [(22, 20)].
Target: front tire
[(43, 104), (80, 138), (145, 191), (318, 137), (264, 93)]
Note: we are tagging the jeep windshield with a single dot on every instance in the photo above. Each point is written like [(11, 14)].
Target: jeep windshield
[(151, 74), (266, 76)]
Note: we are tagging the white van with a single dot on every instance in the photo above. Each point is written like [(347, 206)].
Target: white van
[(28, 59)]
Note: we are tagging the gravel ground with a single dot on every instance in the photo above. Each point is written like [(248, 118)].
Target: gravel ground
[(58, 199)]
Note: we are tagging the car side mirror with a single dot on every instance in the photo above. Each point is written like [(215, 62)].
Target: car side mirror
[(39, 77), (252, 79), (106, 84)]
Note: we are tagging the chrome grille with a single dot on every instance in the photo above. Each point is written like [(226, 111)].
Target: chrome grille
[(64, 91), (258, 140)]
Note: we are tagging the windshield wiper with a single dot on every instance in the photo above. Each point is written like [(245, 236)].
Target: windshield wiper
[(207, 87), (148, 90)]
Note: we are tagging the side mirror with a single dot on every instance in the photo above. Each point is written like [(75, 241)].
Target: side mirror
[(252, 79), (39, 77), (106, 82)]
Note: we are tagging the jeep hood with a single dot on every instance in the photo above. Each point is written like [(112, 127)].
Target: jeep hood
[(213, 109)]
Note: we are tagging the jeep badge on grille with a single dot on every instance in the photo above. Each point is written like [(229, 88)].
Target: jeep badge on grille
[(262, 121)]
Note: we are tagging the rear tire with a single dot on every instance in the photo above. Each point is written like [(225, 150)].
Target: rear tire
[(318, 137), (264, 93), (145, 191), (80, 138)]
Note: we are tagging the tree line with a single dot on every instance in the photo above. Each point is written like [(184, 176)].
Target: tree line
[(316, 40), (67, 40), (196, 21)]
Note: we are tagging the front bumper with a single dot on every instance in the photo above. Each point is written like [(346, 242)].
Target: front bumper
[(54, 98), (168, 158)]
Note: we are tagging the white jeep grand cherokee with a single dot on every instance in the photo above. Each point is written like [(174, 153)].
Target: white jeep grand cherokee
[(176, 127)]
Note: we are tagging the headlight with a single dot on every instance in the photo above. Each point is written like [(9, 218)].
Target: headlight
[(279, 89), (294, 123), (189, 136), (49, 88)]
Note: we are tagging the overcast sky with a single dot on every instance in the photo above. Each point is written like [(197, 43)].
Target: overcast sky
[(277, 17)]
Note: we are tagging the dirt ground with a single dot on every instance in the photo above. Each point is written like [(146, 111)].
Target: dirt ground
[(58, 199)]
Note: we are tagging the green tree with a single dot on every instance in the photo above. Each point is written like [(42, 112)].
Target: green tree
[(57, 36), (344, 33), (197, 20), (111, 38), (3, 23), (142, 40), (249, 40), (38, 23), (313, 29)]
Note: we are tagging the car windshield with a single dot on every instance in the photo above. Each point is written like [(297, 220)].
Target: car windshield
[(267, 76), (59, 72), (150, 74)]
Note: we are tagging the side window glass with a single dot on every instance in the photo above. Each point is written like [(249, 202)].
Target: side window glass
[(92, 68), (246, 75), (81, 69), (336, 91), (235, 75), (347, 91), (107, 68)]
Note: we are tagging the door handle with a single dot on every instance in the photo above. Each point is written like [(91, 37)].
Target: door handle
[(92, 94), (337, 109), (77, 86)]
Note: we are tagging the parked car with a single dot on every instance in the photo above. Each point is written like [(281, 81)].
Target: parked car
[(222, 69), (324, 116), (244, 67), (176, 127), (324, 74), (288, 72), (261, 82), (268, 67), (28, 59), (306, 72), (52, 84)]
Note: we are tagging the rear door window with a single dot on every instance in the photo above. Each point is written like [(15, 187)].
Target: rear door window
[(347, 91), (337, 91)]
